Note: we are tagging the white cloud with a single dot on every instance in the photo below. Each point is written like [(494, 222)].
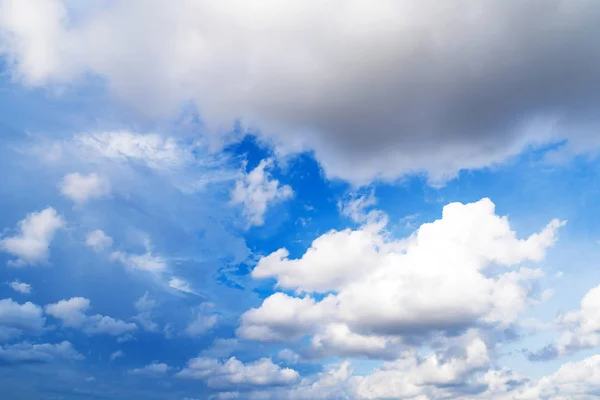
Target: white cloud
[(153, 150), (181, 285), (98, 240), (145, 262), (115, 355), (416, 98), (20, 287), (151, 370), (36, 231), (81, 188), (234, 373), (17, 318), (72, 313), (256, 191), (46, 352), (461, 270)]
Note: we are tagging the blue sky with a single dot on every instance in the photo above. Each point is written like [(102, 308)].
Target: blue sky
[(228, 201)]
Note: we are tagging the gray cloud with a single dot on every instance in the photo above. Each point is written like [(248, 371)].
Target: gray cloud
[(374, 91)]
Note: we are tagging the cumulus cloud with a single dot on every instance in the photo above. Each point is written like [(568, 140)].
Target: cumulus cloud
[(20, 287), (35, 233), (234, 373), (462, 270), (432, 87), (151, 370), (17, 318), (98, 240), (81, 188), (34, 353), (72, 313), (256, 191)]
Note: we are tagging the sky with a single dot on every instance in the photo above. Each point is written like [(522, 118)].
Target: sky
[(299, 200)]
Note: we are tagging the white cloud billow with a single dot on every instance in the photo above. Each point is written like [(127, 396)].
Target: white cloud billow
[(20, 287), (72, 313), (82, 188), (380, 289), (234, 373), (35, 233), (257, 190), (98, 240)]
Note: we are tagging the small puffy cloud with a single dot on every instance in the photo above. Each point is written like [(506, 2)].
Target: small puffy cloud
[(35, 233), (81, 188), (17, 318), (98, 240), (234, 373), (33, 353), (20, 287), (151, 370), (379, 289), (72, 313), (257, 190), (115, 355)]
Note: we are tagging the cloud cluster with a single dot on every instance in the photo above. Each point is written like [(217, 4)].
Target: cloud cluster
[(424, 87), (361, 291)]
